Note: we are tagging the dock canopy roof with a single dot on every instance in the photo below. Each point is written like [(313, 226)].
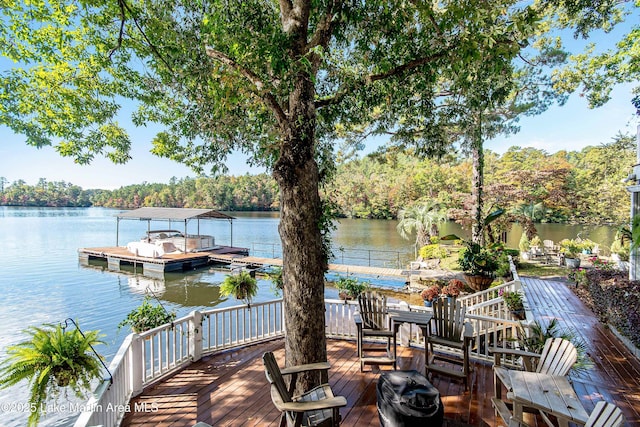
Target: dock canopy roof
[(172, 214)]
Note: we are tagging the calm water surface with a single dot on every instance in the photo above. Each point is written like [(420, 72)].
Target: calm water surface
[(43, 282)]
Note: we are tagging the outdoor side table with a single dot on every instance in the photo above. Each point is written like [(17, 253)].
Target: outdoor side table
[(418, 318), (550, 394)]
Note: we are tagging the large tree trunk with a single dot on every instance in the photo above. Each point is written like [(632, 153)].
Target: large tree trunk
[(303, 265)]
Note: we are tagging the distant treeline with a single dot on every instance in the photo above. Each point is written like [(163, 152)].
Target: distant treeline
[(584, 186)]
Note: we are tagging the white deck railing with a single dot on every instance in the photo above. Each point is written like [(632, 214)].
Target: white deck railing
[(150, 356)]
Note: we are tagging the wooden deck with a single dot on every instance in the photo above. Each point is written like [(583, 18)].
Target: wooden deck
[(230, 389)]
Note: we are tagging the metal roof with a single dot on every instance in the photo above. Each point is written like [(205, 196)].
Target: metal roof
[(172, 214)]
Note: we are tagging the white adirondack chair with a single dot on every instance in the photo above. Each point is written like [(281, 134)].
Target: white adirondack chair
[(557, 358), (605, 414)]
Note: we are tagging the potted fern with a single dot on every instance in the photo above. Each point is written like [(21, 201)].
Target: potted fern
[(350, 288), (478, 264), (242, 286), (52, 359), (147, 316)]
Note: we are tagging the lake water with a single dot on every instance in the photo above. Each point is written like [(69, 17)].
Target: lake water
[(43, 282)]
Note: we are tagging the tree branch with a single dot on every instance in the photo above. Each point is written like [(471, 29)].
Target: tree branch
[(123, 19), (404, 67), (325, 26), (124, 7), (254, 79), (375, 77)]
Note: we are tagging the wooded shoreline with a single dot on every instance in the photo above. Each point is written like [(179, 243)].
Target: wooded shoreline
[(565, 187)]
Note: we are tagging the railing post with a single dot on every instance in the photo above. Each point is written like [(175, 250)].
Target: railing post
[(195, 335), (136, 361)]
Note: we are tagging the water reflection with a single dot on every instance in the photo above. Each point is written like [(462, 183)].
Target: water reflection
[(198, 289), (187, 290)]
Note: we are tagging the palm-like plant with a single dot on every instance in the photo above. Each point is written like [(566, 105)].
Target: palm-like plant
[(52, 359), (423, 220)]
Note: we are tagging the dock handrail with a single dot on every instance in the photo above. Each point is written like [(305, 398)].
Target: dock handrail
[(342, 255), (148, 357)]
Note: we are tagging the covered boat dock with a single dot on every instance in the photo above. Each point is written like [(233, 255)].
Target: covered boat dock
[(178, 215), (191, 254)]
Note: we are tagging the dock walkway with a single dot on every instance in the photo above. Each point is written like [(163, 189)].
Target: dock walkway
[(227, 255)]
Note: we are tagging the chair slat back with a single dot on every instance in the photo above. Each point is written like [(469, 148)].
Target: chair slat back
[(373, 309), (274, 376), (557, 358), (605, 414), (448, 317)]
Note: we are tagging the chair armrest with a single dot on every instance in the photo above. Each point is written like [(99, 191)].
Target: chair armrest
[(357, 318), (512, 351), (320, 366), (332, 402), (527, 356), (468, 330)]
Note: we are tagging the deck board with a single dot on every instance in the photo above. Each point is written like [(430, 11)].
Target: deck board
[(230, 389)]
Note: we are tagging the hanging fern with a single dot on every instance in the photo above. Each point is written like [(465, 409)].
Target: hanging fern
[(241, 285), (54, 358)]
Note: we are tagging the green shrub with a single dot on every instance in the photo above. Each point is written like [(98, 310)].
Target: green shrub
[(434, 251), (578, 276), (535, 241), (504, 268), (524, 245), (615, 300), (622, 249)]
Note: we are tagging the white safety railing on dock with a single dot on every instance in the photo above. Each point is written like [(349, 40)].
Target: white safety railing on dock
[(150, 356)]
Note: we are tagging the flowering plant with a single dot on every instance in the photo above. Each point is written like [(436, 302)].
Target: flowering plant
[(513, 299), (430, 293), (453, 288), (601, 264), (579, 276)]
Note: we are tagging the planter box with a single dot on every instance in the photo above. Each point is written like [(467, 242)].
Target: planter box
[(572, 262)]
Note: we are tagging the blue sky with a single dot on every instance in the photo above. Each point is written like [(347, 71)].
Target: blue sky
[(570, 127)]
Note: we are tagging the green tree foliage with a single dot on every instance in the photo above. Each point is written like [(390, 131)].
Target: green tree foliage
[(596, 71), (597, 179), (274, 79), (45, 193), (532, 185)]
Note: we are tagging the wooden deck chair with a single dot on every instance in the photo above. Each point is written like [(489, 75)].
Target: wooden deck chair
[(373, 321), (557, 358), (316, 407), (605, 414), (449, 329)]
